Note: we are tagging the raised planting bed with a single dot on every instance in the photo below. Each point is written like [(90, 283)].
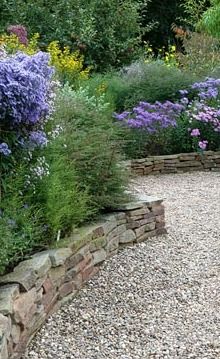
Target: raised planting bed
[(183, 162), (39, 286)]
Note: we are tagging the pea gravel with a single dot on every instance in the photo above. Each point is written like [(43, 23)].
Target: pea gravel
[(159, 299)]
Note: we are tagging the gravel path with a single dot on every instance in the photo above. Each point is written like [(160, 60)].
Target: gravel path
[(160, 299)]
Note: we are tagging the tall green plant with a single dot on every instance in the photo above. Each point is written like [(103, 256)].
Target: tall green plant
[(210, 21)]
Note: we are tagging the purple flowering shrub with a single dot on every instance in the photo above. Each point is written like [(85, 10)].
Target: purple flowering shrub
[(203, 113), (150, 125), (191, 123), (26, 103)]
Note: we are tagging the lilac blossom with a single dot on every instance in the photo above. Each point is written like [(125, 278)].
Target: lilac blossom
[(38, 139), (24, 88), (203, 144), (151, 117), (4, 149), (195, 132)]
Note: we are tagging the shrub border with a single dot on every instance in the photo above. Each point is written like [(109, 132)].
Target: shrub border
[(39, 286)]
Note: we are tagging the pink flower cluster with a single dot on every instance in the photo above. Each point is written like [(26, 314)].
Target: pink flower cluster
[(20, 31)]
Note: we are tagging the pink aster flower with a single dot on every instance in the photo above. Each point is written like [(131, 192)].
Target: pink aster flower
[(195, 132), (203, 144)]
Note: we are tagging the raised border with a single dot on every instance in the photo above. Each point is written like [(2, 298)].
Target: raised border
[(180, 163), (39, 286)]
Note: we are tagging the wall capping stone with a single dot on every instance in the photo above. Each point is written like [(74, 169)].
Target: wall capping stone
[(180, 163), (39, 286)]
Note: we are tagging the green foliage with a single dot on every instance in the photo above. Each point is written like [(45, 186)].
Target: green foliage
[(193, 10), (20, 230), (63, 204), (210, 20), (142, 81), (202, 55), (91, 139), (107, 32)]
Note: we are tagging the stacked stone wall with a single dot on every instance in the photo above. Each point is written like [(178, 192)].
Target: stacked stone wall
[(180, 163), (39, 286)]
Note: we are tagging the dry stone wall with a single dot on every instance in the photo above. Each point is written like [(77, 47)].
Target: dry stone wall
[(184, 162), (39, 286)]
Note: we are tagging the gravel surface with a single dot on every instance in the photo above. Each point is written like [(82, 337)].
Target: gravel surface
[(159, 299)]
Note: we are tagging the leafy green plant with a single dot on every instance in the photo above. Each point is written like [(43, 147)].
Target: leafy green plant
[(142, 81), (21, 230), (210, 19), (107, 32), (91, 140)]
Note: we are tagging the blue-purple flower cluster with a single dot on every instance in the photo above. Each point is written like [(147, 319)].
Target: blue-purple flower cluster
[(25, 99), (152, 117), (200, 104)]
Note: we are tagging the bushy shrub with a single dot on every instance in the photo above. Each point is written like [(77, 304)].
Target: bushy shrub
[(191, 124), (90, 138), (142, 81), (64, 205), (210, 19), (201, 56), (107, 32), (21, 226)]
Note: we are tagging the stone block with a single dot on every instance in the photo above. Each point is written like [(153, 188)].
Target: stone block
[(148, 201), (158, 167), (8, 294), (15, 333), (147, 235), (56, 275), (160, 219), (66, 289), (97, 244), (4, 349), (139, 212), (148, 170), (161, 231), (40, 263), (130, 206), (158, 210), (78, 281), (140, 231), (25, 306), (5, 327), (132, 224), (38, 319), (47, 285), (84, 263), (89, 273), (127, 237), (189, 164), (25, 278), (147, 220), (112, 244), (73, 261), (59, 256), (116, 232), (50, 302), (99, 256), (160, 225), (150, 226)]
